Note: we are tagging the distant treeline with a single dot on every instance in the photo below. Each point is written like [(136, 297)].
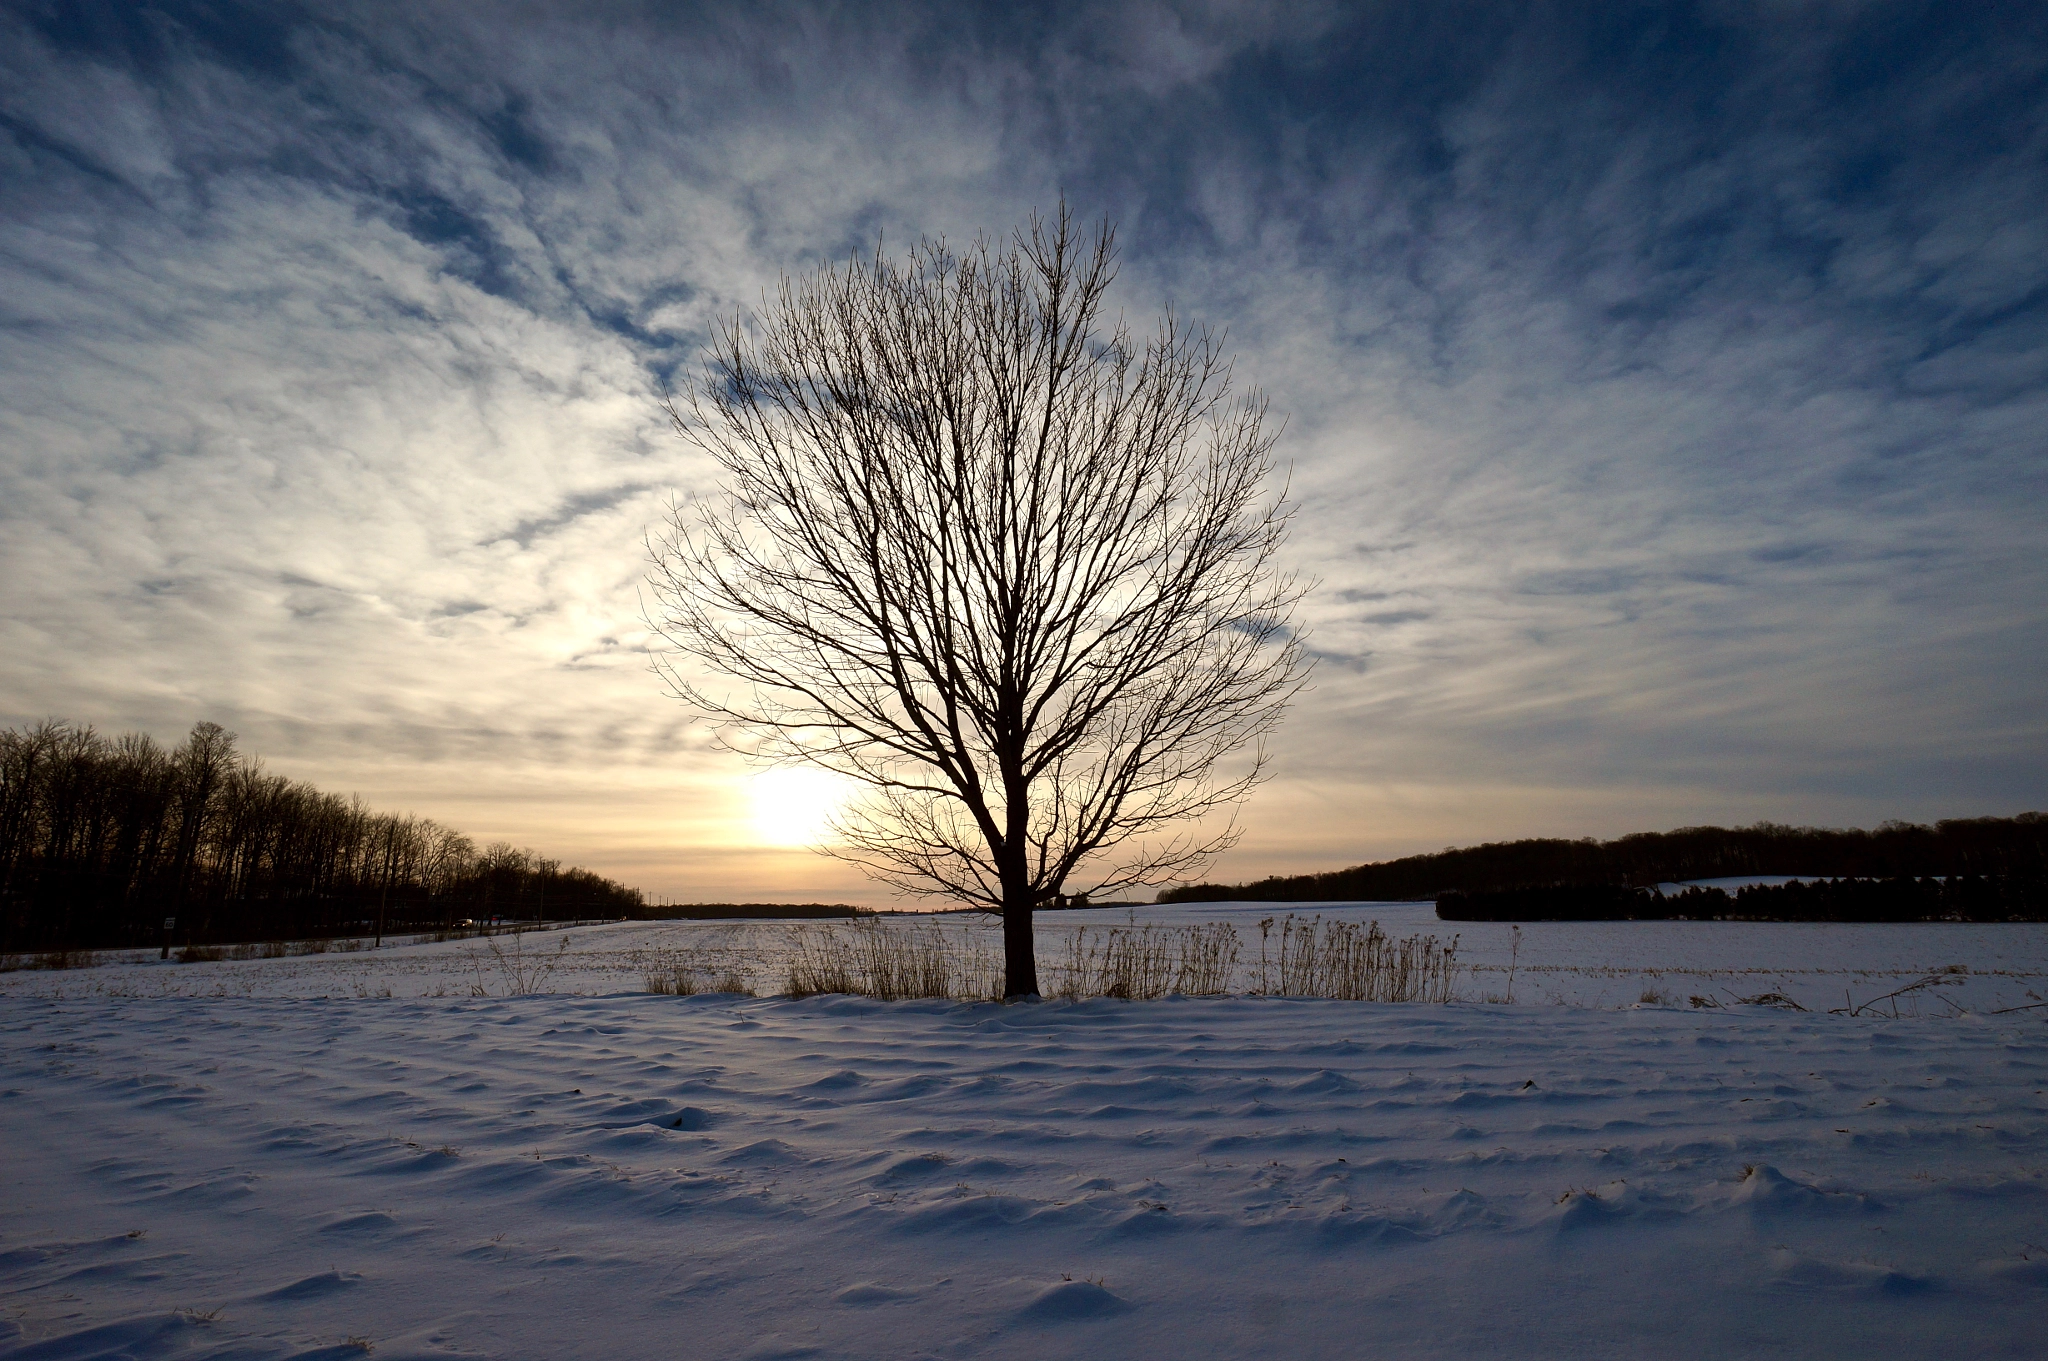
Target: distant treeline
[(1963, 898), (102, 838), (2016, 846), (746, 911)]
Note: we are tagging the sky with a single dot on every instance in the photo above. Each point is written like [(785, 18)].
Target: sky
[(1666, 385)]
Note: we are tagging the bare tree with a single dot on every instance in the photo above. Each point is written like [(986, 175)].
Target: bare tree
[(999, 562)]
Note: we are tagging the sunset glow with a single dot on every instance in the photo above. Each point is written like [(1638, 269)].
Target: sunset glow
[(793, 805)]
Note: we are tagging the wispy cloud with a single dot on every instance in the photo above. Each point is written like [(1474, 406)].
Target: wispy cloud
[(1665, 385)]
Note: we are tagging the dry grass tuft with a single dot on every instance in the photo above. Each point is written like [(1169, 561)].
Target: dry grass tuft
[(676, 981), (1141, 962), (1353, 963), (732, 980), (706, 968), (895, 960), (523, 972), (889, 962)]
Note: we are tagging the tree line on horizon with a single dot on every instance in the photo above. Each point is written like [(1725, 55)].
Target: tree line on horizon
[(1949, 898), (103, 838), (2014, 847)]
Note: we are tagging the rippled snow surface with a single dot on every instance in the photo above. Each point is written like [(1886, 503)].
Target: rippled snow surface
[(633, 1175)]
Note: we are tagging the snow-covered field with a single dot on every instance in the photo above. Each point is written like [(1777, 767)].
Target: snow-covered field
[(274, 1158), (1597, 964)]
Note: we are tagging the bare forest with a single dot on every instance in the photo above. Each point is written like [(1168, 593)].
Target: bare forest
[(102, 839)]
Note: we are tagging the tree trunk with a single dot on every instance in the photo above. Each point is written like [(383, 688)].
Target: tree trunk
[(1020, 956), (390, 865), (1020, 896)]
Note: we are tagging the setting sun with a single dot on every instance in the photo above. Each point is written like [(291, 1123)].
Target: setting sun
[(793, 805)]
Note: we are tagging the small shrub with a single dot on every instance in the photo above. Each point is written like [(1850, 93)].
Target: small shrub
[(201, 954)]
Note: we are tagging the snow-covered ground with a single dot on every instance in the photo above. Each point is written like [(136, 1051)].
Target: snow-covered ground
[(274, 1158)]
